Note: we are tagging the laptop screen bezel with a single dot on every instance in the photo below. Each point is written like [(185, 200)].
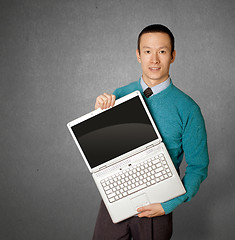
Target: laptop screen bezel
[(94, 113)]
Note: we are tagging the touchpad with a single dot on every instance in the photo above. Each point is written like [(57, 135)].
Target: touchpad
[(139, 201)]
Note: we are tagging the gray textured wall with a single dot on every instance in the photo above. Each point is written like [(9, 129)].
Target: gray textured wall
[(55, 58)]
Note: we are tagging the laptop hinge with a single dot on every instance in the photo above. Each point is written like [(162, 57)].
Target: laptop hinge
[(101, 168), (150, 146), (154, 144), (158, 141)]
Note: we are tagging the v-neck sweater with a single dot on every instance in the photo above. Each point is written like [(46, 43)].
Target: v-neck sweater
[(182, 127)]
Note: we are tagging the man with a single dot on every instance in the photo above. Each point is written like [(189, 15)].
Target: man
[(181, 125)]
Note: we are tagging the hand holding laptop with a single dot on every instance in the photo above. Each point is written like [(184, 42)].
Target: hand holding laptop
[(105, 101), (151, 210)]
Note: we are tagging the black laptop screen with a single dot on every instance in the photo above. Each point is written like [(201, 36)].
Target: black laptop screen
[(114, 132)]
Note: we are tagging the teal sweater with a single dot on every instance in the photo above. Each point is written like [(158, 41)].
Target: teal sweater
[(181, 125)]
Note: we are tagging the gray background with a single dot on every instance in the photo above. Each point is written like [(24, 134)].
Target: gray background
[(56, 57)]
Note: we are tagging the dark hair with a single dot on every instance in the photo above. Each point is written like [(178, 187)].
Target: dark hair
[(157, 28)]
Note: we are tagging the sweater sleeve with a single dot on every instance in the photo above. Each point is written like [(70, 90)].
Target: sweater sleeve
[(116, 93), (194, 143)]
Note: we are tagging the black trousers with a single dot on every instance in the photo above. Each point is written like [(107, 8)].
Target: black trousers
[(157, 228)]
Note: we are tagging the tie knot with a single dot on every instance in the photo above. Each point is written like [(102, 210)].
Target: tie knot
[(148, 92)]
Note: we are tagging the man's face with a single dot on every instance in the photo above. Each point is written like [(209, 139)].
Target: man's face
[(155, 57)]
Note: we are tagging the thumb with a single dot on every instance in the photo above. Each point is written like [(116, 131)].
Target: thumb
[(142, 209)]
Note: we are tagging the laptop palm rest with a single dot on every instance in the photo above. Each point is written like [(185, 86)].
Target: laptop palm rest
[(140, 201)]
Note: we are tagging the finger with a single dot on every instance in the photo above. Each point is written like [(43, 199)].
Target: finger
[(142, 209), (113, 100), (97, 104), (108, 100), (145, 214), (100, 102)]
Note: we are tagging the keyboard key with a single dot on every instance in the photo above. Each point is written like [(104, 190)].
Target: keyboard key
[(158, 165), (156, 161), (137, 189), (158, 174), (159, 169), (109, 192), (111, 195), (153, 181)]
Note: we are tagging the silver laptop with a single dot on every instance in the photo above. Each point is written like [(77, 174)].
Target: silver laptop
[(124, 152)]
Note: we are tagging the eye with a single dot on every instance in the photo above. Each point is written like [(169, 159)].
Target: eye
[(162, 52), (147, 51)]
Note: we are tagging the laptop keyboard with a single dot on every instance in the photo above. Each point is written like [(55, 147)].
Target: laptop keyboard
[(136, 178)]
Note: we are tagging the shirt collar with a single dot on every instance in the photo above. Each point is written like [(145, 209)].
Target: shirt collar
[(158, 88)]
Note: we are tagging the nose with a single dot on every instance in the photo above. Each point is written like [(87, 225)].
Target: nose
[(155, 58)]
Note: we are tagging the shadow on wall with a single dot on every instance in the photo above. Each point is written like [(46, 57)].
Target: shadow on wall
[(212, 206)]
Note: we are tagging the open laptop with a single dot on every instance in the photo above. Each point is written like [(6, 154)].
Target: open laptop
[(124, 152)]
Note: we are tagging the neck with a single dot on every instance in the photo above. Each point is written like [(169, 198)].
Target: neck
[(152, 83)]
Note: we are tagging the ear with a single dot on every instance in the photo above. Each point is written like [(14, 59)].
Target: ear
[(173, 55), (138, 56)]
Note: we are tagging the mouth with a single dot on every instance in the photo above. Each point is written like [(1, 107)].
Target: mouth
[(154, 68)]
